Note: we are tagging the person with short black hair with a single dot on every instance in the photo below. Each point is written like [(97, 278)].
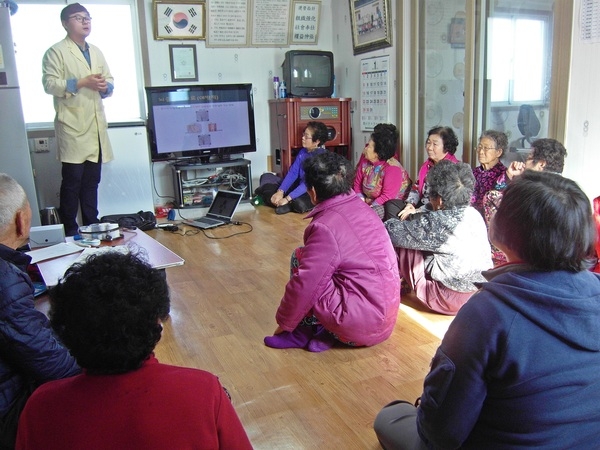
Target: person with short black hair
[(30, 354), (344, 285), (443, 249), (518, 366), (290, 194), (109, 312), (77, 76), (379, 175)]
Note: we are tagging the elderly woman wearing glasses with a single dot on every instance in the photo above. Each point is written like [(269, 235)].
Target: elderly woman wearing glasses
[(291, 194), (491, 147), (441, 145)]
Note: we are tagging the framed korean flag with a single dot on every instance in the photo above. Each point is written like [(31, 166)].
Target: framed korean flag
[(183, 19)]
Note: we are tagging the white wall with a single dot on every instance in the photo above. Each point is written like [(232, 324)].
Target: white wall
[(125, 185), (258, 65), (347, 70), (232, 65), (583, 119)]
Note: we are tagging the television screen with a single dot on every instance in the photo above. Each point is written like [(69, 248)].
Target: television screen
[(308, 73), (200, 121)]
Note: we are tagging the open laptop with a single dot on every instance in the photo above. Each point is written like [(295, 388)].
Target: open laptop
[(220, 212)]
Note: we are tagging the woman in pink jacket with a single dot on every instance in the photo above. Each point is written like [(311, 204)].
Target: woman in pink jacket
[(345, 285)]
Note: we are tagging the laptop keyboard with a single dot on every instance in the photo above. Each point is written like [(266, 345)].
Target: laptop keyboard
[(208, 221)]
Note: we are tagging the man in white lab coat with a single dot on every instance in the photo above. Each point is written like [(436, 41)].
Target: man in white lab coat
[(78, 77)]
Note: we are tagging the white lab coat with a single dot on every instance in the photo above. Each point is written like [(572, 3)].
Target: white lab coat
[(80, 120)]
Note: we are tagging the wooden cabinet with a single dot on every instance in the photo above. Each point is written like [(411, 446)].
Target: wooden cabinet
[(288, 118)]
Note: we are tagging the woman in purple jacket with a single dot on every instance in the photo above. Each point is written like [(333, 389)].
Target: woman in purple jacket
[(345, 285), (291, 194)]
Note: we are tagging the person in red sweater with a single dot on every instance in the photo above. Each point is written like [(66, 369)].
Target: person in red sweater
[(108, 312)]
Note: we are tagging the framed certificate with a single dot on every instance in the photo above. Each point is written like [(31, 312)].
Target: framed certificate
[(184, 64), (304, 28), (183, 19)]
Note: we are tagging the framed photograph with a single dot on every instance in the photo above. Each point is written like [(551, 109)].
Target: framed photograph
[(184, 64), (371, 25), (183, 19), (304, 22)]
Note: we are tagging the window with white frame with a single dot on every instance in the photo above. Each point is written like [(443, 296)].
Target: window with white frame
[(519, 48), (36, 26)]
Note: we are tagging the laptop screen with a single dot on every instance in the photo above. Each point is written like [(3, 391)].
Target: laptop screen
[(224, 204)]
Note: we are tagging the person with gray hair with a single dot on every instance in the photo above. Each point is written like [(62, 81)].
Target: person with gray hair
[(491, 147), (30, 353), (546, 155), (443, 248)]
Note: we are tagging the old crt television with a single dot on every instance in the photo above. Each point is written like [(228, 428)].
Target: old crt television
[(202, 122), (308, 73)]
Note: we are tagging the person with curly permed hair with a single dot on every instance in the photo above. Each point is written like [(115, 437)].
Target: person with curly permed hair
[(441, 145), (491, 147), (443, 249), (379, 175), (109, 311), (547, 155)]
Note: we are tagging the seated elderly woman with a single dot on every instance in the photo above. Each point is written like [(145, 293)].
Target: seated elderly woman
[(290, 194), (441, 145), (108, 312), (443, 248), (344, 285), (546, 155), (492, 145), (379, 175), (518, 366)]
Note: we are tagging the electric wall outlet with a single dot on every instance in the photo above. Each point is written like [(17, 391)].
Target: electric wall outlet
[(41, 145)]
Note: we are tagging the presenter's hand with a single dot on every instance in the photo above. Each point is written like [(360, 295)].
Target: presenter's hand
[(95, 82)]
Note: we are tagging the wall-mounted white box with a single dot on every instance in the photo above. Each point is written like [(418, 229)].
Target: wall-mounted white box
[(46, 235)]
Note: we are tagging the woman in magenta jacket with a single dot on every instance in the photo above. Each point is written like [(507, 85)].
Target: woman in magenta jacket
[(441, 145), (379, 175), (345, 285)]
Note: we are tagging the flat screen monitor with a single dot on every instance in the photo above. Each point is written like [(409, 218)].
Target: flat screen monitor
[(200, 121)]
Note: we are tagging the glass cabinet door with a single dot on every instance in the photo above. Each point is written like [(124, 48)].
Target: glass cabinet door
[(489, 64)]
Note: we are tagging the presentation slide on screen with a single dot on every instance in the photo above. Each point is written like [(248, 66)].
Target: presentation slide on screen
[(201, 126)]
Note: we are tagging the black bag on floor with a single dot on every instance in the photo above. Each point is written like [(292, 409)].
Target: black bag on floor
[(144, 220)]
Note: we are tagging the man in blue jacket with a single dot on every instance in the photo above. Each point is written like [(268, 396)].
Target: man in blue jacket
[(30, 354)]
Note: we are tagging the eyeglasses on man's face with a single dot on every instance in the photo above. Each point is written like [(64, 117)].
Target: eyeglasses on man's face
[(307, 136), (81, 19)]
